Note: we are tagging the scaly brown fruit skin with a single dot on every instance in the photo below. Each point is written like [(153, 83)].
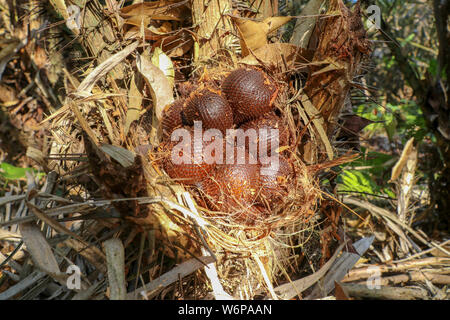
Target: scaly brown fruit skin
[(234, 188), (171, 118), (207, 105), (240, 190), (250, 93), (275, 183), (187, 173), (240, 181), (268, 122)]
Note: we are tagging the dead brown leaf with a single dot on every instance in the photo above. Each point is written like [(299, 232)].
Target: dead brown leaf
[(254, 34), (161, 90), (397, 169), (134, 104), (157, 10), (39, 249), (176, 44), (279, 54)]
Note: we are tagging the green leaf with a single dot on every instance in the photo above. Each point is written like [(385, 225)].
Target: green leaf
[(391, 128), (365, 173), (353, 180), (10, 172), (408, 39), (432, 67)]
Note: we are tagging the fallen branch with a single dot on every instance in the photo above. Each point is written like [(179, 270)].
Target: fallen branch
[(366, 272), (390, 293), (413, 276), (115, 258)]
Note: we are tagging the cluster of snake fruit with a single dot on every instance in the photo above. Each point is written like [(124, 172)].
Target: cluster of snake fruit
[(244, 99)]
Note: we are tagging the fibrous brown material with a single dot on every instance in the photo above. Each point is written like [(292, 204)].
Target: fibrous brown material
[(215, 29), (250, 93), (342, 46)]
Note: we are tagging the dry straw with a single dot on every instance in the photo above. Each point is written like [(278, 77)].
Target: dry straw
[(116, 122)]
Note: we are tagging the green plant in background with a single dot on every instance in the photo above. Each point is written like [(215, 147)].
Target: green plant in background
[(10, 172), (403, 120), (368, 175)]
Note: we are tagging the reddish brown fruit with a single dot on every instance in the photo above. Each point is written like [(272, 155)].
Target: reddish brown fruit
[(238, 176), (233, 188), (211, 108), (218, 198), (240, 181), (275, 182), (171, 118), (267, 122), (250, 93), (180, 162)]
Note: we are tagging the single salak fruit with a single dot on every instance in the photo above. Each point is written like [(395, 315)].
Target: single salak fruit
[(250, 93)]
